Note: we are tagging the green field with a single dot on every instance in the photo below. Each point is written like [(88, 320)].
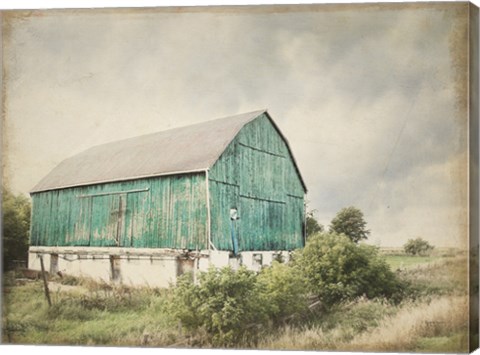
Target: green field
[(402, 262)]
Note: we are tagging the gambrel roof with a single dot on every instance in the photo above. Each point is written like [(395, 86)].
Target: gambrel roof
[(180, 150)]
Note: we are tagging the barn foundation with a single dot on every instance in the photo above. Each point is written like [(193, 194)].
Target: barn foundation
[(142, 266)]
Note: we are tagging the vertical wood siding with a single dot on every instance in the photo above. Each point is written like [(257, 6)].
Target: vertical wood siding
[(256, 175), (171, 214)]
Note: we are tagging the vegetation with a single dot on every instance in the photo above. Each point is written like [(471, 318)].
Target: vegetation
[(350, 221), (337, 269), (224, 305), (16, 226), (371, 326), (312, 225), (285, 290), (403, 262), (91, 313), (227, 306), (418, 246), (336, 294)]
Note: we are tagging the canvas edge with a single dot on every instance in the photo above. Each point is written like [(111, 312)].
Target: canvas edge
[(473, 55)]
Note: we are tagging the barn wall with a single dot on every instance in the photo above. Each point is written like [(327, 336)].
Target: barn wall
[(256, 175), (163, 212)]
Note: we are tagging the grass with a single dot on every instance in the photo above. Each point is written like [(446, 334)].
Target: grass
[(413, 324), (116, 316), (443, 344), (435, 326), (403, 262), (333, 329), (433, 319)]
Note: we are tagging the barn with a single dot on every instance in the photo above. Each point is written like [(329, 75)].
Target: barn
[(146, 209)]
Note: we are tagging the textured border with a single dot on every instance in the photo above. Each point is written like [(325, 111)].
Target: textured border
[(473, 99)]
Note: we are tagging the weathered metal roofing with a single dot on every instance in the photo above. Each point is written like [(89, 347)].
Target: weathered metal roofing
[(186, 149)]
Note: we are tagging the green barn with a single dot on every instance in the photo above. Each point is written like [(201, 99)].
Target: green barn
[(145, 209)]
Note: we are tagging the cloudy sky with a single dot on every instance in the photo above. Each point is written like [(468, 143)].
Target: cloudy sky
[(370, 97)]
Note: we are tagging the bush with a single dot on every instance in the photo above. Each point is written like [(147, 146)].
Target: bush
[(285, 289), (225, 303), (337, 269), (231, 306)]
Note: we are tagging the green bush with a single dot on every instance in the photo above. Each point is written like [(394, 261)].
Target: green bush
[(337, 269), (285, 289), (231, 306), (226, 304)]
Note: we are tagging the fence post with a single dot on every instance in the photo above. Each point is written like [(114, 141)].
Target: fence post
[(45, 283)]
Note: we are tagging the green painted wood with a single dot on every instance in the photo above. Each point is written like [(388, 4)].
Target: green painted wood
[(223, 197), (171, 214), (82, 218), (105, 217), (256, 174)]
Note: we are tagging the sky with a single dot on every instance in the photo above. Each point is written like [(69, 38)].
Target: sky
[(371, 98)]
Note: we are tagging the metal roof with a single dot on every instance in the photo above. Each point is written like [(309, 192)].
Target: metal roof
[(186, 149)]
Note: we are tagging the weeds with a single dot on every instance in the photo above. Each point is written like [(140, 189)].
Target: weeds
[(357, 316), (444, 277), (401, 332)]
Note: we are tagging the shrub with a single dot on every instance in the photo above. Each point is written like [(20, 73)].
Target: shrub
[(338, 269), (285, 289), (225, 303)]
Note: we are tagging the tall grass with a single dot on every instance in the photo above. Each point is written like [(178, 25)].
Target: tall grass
[(440, 317), (403, 331), (329, 329), (434, 319)]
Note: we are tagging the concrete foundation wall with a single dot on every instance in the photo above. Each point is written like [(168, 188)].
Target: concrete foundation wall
[(156, 270)]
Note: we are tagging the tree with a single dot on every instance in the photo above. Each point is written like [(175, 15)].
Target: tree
[(312, 225), (16, 226), (349, 221), (337, 269), (417, 246)]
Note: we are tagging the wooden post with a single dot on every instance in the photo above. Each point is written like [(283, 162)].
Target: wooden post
[(45, 283)]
